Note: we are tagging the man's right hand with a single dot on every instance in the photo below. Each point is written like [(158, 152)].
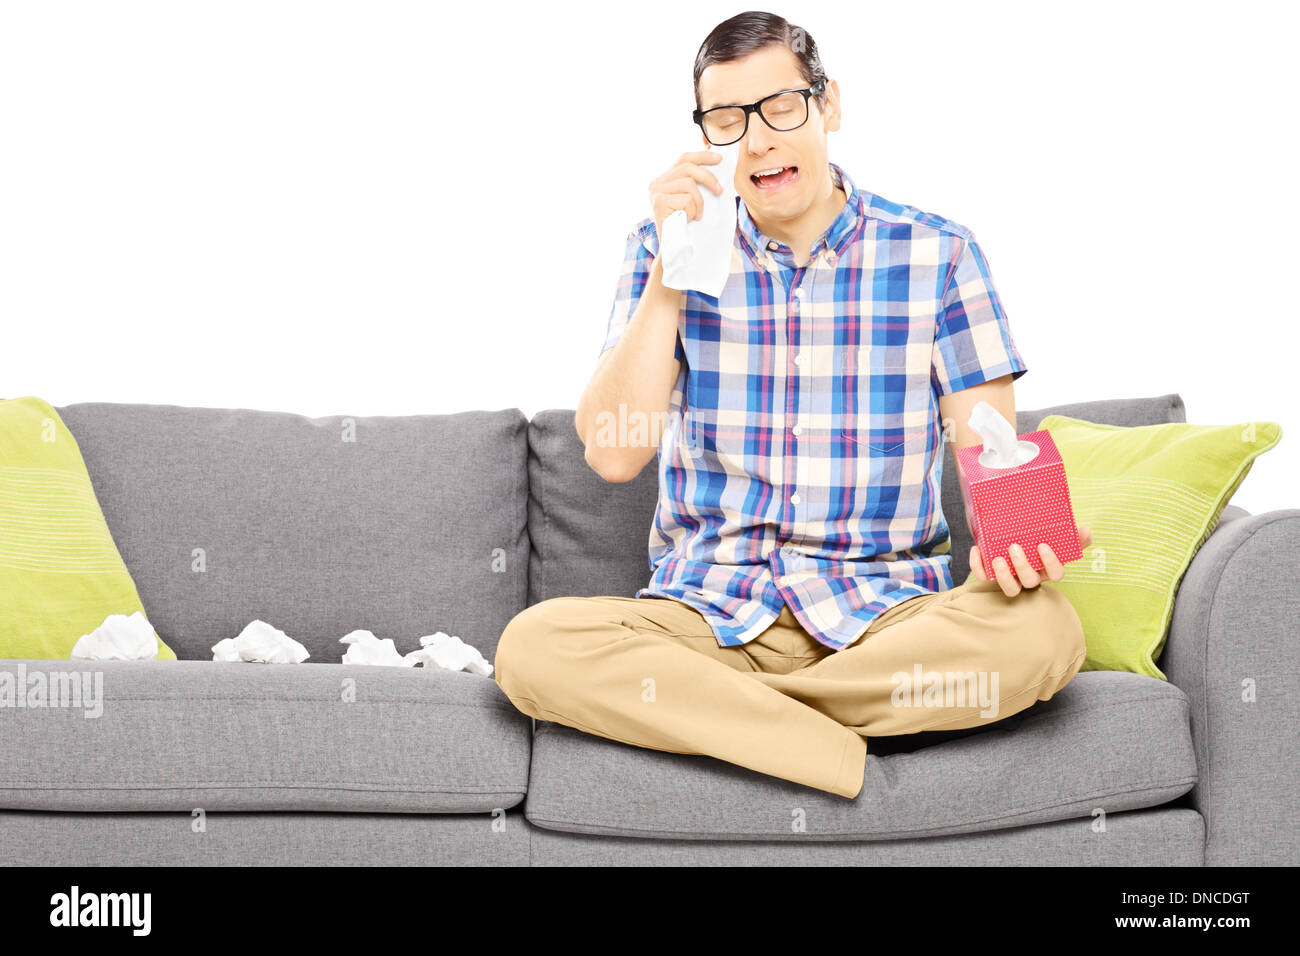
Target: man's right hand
[(677, 189)]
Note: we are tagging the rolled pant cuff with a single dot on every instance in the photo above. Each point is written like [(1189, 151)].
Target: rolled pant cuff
[(853, 767)]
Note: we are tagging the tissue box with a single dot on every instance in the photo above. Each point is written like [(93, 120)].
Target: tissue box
[(1026, 505)]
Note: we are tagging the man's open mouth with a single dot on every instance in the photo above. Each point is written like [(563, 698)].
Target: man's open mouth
[(775, 177)]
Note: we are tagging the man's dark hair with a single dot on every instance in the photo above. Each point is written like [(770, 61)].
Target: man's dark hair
[(748, 32)]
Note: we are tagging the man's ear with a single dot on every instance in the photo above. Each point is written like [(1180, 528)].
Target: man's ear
[(831, 110)]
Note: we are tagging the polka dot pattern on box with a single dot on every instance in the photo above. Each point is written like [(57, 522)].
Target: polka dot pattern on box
[(1026, 505)]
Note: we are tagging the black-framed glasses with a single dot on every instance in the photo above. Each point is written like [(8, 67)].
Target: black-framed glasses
[(782, 111)]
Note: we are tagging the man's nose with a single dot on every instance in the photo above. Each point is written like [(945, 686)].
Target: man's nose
[(758, 138)]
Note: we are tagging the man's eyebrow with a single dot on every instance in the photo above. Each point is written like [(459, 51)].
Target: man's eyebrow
[(779, 89)]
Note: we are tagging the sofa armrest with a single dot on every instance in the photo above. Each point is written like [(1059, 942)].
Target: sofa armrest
[(1233, 649)]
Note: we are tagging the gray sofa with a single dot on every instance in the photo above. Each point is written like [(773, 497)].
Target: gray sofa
[(456, 523)]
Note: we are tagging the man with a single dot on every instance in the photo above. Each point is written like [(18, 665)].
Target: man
[(799, 556)]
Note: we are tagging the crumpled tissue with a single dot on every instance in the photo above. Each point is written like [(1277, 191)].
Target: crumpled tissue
[(365, 648), (696, 253), (1002, 447), (120, 638), (260, 643), (450, 653)]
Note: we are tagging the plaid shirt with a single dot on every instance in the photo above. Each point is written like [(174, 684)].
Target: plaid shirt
[(801, 458)]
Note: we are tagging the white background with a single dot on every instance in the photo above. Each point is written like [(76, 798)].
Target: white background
[(390, 208)]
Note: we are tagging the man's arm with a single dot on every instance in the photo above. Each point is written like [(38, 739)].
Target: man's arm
[(638, 373), (971, 342), (634, 378), (955, 409), (957, 406)]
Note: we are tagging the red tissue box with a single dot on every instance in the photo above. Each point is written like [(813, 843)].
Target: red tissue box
[(1026, 505)]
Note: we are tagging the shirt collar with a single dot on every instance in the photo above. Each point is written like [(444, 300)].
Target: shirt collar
[(836, 235)]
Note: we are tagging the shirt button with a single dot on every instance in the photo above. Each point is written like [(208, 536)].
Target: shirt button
[(798, 429), (798, 360), (798, 291), (830, 257), (772, 245), (795, 499)]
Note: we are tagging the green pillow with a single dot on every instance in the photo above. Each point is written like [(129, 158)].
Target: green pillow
[(1151, 495), (60, 572)]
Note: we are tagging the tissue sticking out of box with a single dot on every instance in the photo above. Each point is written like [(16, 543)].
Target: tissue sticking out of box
[(450, 653), (260, 643), (1002, 447), (365, 648), (120, 638)]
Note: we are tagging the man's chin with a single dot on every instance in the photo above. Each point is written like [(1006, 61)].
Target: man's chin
[(783, 207)]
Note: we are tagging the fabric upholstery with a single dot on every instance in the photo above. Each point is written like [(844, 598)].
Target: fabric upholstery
[(416, 525), (238, 736), (1109, 740)]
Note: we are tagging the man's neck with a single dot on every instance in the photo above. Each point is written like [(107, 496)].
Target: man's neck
[(800, 234)]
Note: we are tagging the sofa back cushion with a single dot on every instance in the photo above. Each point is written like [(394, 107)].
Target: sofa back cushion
[(400, 525), (590, 536)]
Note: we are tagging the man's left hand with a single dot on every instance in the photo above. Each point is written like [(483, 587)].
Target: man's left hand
[(1014, 579)]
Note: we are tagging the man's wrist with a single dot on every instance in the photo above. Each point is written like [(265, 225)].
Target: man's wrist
[(656, 285)]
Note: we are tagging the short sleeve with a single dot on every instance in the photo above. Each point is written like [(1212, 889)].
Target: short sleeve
[(633, 276), (972, 342)]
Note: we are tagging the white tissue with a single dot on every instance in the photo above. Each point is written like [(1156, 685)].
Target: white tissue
[(696, 253), (1002, 447), (119, 638), (450, 653), (365, 648), (260, 643)]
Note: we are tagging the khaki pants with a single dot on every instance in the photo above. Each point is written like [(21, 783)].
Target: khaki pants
[(649, 672)]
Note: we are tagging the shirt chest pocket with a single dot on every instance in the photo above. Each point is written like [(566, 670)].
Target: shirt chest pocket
[(884, 398)]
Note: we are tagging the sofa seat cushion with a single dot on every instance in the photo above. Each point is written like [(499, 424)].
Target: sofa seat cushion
[(181, 735), (1108, 741)]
